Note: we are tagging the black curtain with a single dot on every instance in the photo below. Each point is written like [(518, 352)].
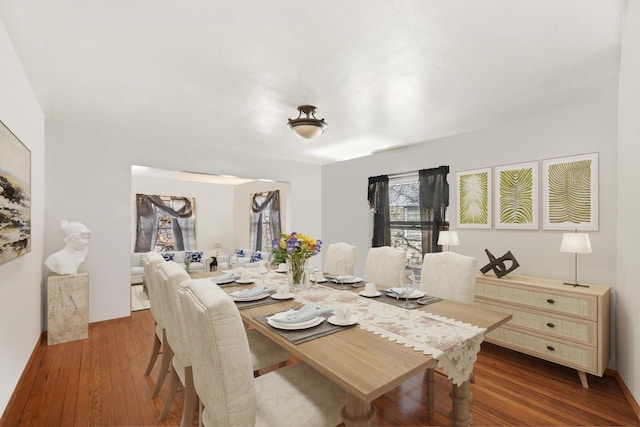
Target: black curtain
[(434, 199), (378, 195)]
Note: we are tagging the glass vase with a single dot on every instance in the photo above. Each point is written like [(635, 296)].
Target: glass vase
[(296, 273)]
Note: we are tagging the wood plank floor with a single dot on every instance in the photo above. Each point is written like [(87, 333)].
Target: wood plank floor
[(99, 382)]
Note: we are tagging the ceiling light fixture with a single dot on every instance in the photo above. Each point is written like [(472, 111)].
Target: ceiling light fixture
[(307, 127)]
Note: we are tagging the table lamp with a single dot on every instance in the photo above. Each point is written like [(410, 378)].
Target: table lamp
[(576, 243), (217, 246), (448, 238)]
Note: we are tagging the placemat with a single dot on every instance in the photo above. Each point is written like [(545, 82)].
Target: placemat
[(336, 286), (303, 335), (257, 303), (391, 300)]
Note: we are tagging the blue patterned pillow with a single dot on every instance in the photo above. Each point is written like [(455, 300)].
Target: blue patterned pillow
[(193, 256), (168, 256), (240, 253), (256, 257)]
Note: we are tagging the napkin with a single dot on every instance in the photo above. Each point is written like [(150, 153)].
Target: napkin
[(303, 314), (247, 293), (223, 278), (402, 292), (337, 279)]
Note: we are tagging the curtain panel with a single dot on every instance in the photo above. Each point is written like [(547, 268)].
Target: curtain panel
[(182, 214), (264, 204), (434, 200), (378, 195)]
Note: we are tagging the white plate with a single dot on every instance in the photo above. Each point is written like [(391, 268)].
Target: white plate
[(222, 282), (324, 279), (245, 281), (255, 298), (294, 326), (377, 294), (415, 294), (348, 281), (280, 271), (287, 296), (352, 321)]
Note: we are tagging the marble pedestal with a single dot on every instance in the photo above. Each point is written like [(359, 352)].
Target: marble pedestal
[(67, 308)]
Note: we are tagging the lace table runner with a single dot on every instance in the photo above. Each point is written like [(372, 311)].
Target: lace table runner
[(452, 343)]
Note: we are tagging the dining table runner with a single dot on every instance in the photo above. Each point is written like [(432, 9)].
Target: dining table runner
[(454, 344), (300, 336)]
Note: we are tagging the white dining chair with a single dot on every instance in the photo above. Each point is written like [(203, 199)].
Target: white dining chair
[(385, 266), (264, 353), (450, 276), (229, 394), (150, 262), (339, 252)]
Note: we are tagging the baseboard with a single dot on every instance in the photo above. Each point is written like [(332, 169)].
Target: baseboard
[(626, 391)]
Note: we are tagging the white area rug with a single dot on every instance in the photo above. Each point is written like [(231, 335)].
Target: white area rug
[(139, 300)]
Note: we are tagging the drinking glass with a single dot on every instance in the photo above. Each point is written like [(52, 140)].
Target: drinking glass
[(409, 288), (233, 260), (263, 267), (341, 267)]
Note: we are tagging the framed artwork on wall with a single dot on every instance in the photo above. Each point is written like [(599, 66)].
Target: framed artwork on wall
[(15, 196), (474, 198), (516, 196), (570, 193)]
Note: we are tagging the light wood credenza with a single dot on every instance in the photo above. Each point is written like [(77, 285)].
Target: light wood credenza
[(556, 322)]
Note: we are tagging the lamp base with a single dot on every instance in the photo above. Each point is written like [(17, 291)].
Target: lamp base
[(575, 284)]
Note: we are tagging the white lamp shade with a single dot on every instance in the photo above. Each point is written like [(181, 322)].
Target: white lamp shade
[(217, 245), (577, 243), (448, 238), (307, 131)]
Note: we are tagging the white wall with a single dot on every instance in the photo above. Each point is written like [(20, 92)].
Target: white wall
[(552, 134), (214, 207), (628, 286), (21, 285), (89, 180)]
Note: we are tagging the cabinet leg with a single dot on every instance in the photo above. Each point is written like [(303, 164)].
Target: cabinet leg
[(583, 378)]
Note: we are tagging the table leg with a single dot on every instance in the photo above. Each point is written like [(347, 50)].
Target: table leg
[(357, 413), (461, 398)]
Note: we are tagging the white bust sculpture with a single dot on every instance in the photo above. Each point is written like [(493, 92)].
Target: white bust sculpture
[(68, 259)]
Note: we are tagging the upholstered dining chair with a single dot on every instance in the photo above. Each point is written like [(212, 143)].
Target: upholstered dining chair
[(150, 262), (451, 276), (339, 252), (385, 266), (264, 352), (229, 394)]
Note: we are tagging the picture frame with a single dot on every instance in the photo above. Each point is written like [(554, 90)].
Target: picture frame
[(474, 198), (570, 193), (516, 195), (15, 196)]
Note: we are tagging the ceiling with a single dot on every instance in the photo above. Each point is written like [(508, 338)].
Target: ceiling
[(383, 73)]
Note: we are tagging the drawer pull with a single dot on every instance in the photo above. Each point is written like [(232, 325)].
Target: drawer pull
[(550, 348), (551, 325), (550, 301)]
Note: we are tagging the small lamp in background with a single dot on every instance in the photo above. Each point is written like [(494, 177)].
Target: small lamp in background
[(448, 238), (576, 243), (217, 246)]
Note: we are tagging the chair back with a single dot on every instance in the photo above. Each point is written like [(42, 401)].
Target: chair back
[(150, 262), (385, 266), (170, 275), (222, 370), (339, 252), (450, 276)]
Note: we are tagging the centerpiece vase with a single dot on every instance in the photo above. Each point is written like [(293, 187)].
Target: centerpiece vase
[(296, 271)]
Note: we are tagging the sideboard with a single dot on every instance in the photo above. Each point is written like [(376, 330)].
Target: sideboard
[(553, 321)]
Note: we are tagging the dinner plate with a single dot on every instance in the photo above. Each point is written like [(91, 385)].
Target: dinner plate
[(324, 279), (415, 294), (349, 281), (352, 321), (280, 271), (295, 326), (223, 282), (244, 281), (286, 296), (363, 294), (254, 298)]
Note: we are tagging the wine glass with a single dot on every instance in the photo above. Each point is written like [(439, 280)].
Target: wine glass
[(341, 270), (409, 288), (263, 267), (233, 260)]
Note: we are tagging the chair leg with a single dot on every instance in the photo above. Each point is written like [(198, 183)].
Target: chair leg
[(154, 353), (173, 387), (190, 399), (165, 363), (431, 396)]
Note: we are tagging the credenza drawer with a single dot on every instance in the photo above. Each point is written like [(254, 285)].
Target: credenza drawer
[(583, 306), (579, 357), (581, 331)]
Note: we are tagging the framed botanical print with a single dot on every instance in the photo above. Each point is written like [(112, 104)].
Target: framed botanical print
[(516, 196), (570, 193), (15, 196), (474, 198)]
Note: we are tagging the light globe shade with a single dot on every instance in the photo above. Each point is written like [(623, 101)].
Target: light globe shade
[(577, 243), (307, 131), (448, 238)]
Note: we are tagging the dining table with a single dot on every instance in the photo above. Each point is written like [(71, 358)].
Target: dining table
[(388, 345)]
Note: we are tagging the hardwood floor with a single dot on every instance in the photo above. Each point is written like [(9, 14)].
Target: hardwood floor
[(99, 382)]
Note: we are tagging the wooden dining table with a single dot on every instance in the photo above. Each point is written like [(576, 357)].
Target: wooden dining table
[(366, 365)]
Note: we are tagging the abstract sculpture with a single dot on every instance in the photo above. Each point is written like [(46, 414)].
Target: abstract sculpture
[(497, 264), (68, 259)]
